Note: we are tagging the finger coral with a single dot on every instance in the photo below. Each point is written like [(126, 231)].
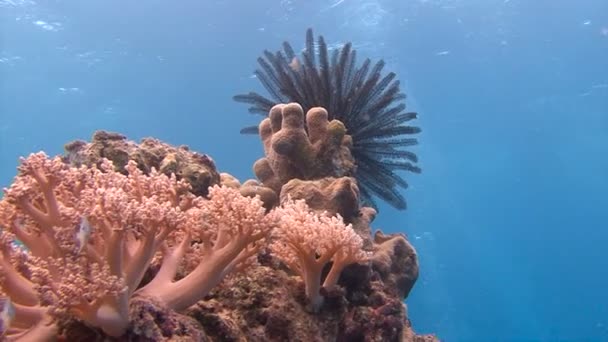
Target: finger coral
[(368, 105), (303, 146), (302, 151)]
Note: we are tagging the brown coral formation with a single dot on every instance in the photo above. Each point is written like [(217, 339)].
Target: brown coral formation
[(251, 188), (334, 195), (197, 169), (299, 146), (307, 157), (396, 261)]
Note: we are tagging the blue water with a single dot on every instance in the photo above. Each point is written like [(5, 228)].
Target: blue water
[(510, 214)]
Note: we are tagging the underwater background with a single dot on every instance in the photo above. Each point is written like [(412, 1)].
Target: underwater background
[(510, 213)]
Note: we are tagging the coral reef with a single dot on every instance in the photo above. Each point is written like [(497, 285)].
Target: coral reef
[(121, 241), (369, 106), (334, 195)]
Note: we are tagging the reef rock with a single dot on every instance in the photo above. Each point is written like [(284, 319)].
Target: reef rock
[(197, 169)]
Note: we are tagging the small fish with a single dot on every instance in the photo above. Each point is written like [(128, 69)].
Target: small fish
[(295, 64), (6, 314), (83, 235), (336, 4)]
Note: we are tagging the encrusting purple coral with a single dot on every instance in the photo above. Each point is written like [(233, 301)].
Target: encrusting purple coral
[(149, 242)]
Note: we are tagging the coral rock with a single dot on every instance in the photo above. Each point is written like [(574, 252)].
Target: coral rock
[(334, 195), (252, 188), (396, 261), (197, 169), (229, 180), (302, 147)]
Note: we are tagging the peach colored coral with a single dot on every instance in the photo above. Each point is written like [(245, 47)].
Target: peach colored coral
[(229, 229), (307, 241), (92, 233), (22, 315)]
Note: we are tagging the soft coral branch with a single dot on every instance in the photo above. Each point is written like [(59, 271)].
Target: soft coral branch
[(228, 227), (95, 232), (31, 323), (307, 241), (22, 317)]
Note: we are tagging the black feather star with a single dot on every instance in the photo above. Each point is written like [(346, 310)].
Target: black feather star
[(370, 106)]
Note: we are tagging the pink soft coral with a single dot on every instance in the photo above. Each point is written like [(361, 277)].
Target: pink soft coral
[(227, 229), (93, 233), (22, 316), (307, 241)]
